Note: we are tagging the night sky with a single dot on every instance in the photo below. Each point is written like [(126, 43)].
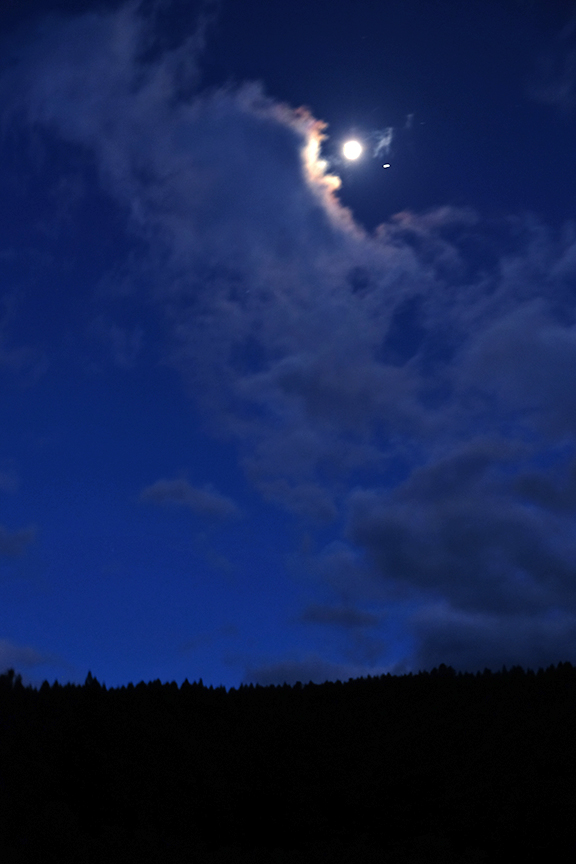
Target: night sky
[(268, 414)]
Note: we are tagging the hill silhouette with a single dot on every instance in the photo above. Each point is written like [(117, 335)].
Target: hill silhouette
[(433, 767)]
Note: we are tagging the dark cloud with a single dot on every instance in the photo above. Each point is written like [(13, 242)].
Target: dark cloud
[(344, 568), (312, 669), (527, 361), (205, 502), (340, 616), (19, 656), (14, 543), (310, 500), (455, 529), (498, 569), (479, 641), (443, 343), (549, 491), (201, 640)]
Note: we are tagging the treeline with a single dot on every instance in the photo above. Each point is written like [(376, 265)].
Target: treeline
[(433, 767)]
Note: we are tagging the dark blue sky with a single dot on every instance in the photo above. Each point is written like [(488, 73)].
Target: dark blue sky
[(268, 414)]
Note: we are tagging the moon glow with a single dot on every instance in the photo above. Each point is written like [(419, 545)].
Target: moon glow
[(352, 150)]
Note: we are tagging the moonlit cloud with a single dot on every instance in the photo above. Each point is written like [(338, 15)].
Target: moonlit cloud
[(413, 383), (383, 141)]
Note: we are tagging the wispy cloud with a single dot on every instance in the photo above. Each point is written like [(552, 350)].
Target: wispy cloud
[(9, 481), (20, 657), (554, 82), (205, 501), (15, 543)]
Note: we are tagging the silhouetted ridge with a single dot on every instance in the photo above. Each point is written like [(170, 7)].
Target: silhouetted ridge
[(435, 766)]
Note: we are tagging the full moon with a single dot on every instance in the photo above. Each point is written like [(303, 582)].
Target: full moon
[(352, 149)]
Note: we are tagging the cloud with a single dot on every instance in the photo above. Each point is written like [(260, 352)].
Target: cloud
[(19, 656), (202, 640), (14, 543), (306, 499), (527, 360), (205, 502), (491, 572), (339, 616), (418, 379), (383, 141), (24, 363), (549, 491), (554, 82), (455, 529), (312, 669), (557, 81), (9, 481), (121, 344), (477, 641)]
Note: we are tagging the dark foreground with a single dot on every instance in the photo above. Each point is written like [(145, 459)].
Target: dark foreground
[(434, 767)]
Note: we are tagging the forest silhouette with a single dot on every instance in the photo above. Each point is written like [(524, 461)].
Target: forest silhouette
[(433, 767)]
